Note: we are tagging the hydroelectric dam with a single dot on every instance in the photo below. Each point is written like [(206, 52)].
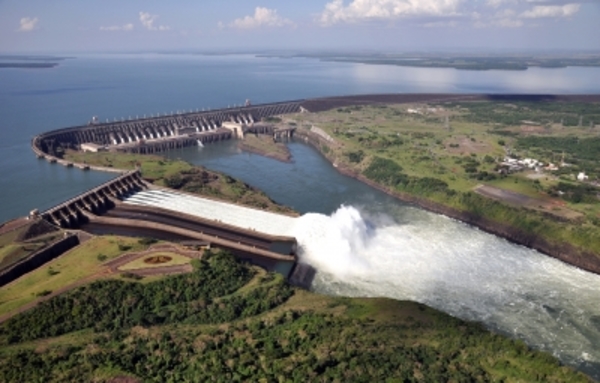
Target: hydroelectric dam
[(416, 256), (128, 205), (160, 133)]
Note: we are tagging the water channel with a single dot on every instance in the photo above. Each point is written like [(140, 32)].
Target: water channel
[(365, 243)]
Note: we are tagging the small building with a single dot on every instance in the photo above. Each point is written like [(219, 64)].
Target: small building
[(236, 128), (582, 177), (91, 147), (530, 163)]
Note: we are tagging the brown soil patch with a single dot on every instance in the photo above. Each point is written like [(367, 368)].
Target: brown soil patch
[(13, 225), (547, 205), (532, 129), (156, 260), (466, 146)]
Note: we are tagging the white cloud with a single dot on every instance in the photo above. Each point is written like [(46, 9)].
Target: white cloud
[(441, 24), (505, 14), (28, 24), (497, 3), (508, 23), (148, 20), (546, 11), (126, 27), (263, 17), (336, 11)]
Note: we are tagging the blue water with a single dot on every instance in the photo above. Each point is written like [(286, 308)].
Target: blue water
[(122, 86), (453, 259)]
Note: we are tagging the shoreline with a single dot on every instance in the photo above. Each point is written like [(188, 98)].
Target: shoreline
[(564, 252), (274, 156)]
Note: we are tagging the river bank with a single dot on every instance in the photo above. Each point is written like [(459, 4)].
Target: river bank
[(564, 252), (264, 145)]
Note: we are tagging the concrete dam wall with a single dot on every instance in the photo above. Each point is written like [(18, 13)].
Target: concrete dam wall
[(71, 213), (160, 133), (104, 207)]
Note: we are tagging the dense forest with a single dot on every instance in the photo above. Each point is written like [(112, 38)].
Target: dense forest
[(229, 322)]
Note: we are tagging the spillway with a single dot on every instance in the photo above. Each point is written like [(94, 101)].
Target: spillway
[(230, 214)]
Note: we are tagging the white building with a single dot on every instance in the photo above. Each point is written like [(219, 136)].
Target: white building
[(91, 147), (582, 177)]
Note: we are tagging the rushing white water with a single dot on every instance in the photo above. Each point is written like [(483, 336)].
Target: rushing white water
[(437, 261), (464, 272), (227, 213)]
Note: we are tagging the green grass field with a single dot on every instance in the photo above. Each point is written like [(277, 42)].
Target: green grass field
[(14, 246), (264, 145), (73, 266)]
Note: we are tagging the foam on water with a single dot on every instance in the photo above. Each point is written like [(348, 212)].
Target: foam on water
[(467, 273), (437, 261)]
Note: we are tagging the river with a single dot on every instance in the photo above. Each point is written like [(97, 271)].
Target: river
[(365, 243), (362, 242)]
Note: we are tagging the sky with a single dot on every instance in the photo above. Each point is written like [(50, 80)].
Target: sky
[(70, 26)]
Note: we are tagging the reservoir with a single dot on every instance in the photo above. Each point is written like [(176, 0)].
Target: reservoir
[(123, 86), (362, 242)]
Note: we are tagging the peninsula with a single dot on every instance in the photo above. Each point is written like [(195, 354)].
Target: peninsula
[(461, 62)]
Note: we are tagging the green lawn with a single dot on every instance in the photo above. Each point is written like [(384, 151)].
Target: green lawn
[(78, 263)]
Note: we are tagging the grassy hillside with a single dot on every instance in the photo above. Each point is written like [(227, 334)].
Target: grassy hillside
[(229, 322), (81, 262)]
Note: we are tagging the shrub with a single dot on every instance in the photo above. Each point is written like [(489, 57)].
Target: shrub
[(488, 159), (123, 247), (356, 157), (52, 272), (385, 171), (146, 241), (131, 276)]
